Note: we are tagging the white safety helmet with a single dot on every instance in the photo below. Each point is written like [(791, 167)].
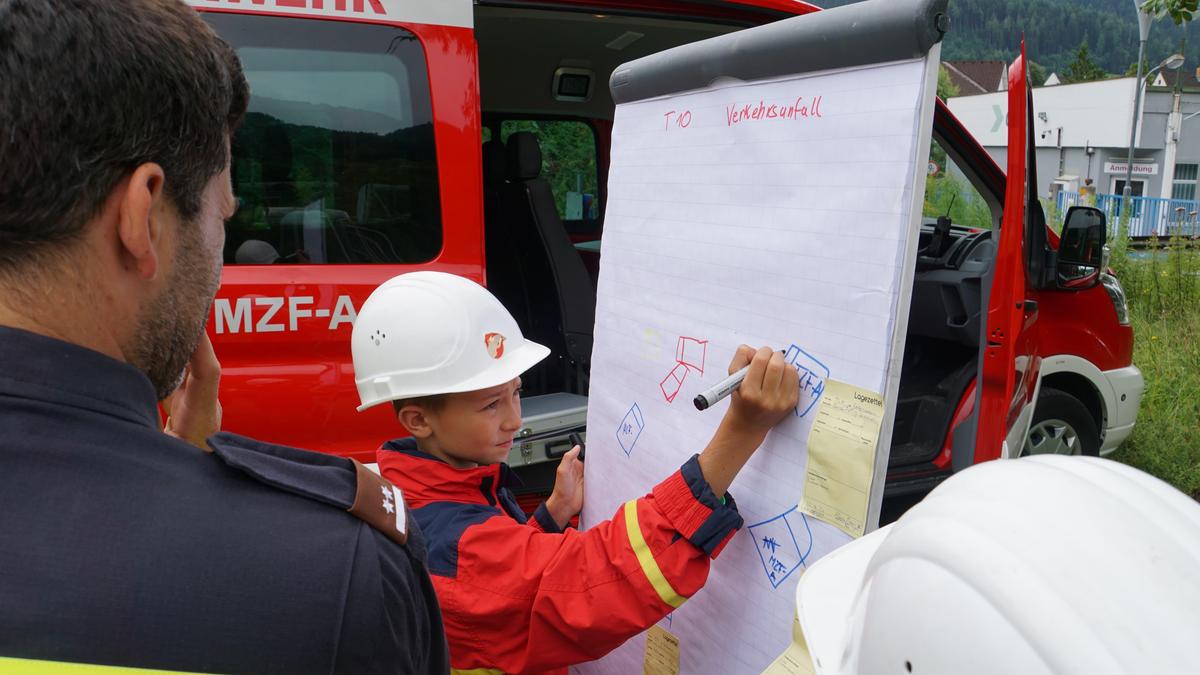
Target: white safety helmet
[(1039, 565), (426, 333)]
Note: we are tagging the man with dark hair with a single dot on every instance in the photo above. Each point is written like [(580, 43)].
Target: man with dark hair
[(121, 544)]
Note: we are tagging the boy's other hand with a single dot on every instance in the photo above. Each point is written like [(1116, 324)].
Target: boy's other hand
[(770, 391), (193, 409), (567, 499)]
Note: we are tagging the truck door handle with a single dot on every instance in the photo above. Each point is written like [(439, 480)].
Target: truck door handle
[(1031, 306)]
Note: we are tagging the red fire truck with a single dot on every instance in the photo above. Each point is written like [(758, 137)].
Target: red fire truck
[(382, 137)]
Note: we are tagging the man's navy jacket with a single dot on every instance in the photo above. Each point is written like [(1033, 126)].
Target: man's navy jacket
[(121, 545)]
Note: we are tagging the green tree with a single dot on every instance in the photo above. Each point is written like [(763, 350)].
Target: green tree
[(1053, 29), (568, 155), (1037, 74), (945, 86), (949, 195), (1083, 68), (1180, 11), (1132, 70)]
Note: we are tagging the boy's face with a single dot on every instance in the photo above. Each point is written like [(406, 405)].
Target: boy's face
[(472, 428)]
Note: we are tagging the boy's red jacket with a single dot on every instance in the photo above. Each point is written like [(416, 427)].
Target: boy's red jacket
[(523, 597)]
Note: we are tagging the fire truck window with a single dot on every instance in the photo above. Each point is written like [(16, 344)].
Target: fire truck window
[(568, 165), (335, 162), (948, 192)]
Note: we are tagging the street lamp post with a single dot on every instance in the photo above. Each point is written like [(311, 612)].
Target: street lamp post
[(1172, 62), (1143, 33)]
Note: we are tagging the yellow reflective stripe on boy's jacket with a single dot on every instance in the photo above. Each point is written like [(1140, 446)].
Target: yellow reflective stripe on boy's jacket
[(646, 558)]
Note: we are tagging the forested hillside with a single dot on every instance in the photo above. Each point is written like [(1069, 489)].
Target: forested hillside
[(1054, 29)]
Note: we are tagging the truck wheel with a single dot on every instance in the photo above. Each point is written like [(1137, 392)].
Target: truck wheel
[(1061, 425)]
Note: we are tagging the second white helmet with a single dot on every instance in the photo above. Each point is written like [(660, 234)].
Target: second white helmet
[(426, 333), (1046, 564)]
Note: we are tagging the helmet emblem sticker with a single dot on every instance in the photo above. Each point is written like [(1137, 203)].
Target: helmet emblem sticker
[(495, 344)]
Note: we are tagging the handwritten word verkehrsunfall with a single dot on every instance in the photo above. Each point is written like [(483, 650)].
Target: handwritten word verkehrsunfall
[(764, 111)]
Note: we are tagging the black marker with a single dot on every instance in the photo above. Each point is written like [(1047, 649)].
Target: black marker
[(724, 388), (714, 394)]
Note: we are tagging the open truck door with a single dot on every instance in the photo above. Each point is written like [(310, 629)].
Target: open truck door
[(1009, 370)]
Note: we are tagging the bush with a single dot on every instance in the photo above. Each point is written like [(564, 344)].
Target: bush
[(1162, 283)]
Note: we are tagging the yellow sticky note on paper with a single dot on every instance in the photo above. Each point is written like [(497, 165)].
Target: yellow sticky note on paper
[(662, 653), (796, 659), (841, 456)]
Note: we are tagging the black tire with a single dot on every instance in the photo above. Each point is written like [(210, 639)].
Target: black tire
[(1055, 406)]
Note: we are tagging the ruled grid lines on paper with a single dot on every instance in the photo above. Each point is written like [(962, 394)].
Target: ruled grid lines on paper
[(732, 180), (619, 151), (888, 233), (664, 310), (732, 282), (629, 217), (794, 258), (789, 162), (651, 200), (637, 215)]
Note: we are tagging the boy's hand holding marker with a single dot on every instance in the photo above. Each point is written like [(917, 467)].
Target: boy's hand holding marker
[(768, 392), (764, 390)]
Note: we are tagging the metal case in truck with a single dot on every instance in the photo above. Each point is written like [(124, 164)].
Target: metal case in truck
[(546, 421)]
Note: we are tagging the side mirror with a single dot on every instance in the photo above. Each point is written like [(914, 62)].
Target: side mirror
[(1081, 251)]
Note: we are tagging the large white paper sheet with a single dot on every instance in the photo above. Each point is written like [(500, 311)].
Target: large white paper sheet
[(771, 213)]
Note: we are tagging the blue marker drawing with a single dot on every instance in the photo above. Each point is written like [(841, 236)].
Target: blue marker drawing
[(778, 548), (630, 429), (670, 618), (813, 374)]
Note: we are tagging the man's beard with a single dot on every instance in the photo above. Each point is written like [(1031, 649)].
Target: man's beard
[(169, 327)]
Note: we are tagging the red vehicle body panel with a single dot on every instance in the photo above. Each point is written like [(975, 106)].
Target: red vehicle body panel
[(256, 376), (1085, 324)]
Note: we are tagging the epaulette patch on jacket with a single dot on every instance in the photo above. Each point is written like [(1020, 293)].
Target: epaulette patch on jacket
[(342, 483)]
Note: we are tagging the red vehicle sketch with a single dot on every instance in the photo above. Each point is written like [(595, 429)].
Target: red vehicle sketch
[(690, 354)]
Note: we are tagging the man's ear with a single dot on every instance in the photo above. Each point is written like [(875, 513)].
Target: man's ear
[(140, 227), (415, 418)]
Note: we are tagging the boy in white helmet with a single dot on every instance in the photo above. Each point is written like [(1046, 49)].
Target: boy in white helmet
[(529, 597)]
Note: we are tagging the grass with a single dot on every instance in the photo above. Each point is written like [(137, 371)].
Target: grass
[(1163, 287)]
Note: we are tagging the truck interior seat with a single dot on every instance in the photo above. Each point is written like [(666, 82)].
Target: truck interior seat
[(567, 311), (509, 277)]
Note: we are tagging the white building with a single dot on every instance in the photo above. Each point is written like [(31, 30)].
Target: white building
[(1082, 132)]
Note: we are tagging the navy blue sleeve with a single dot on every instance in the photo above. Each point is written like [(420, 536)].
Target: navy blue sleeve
[(708, 521), (392, 622), (542, 516)]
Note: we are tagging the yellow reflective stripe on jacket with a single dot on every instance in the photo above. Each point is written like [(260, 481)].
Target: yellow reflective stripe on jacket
[(646, 558), (476, 671), (8, 665)]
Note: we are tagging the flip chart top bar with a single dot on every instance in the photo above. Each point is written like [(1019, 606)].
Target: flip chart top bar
[(875, 31)]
